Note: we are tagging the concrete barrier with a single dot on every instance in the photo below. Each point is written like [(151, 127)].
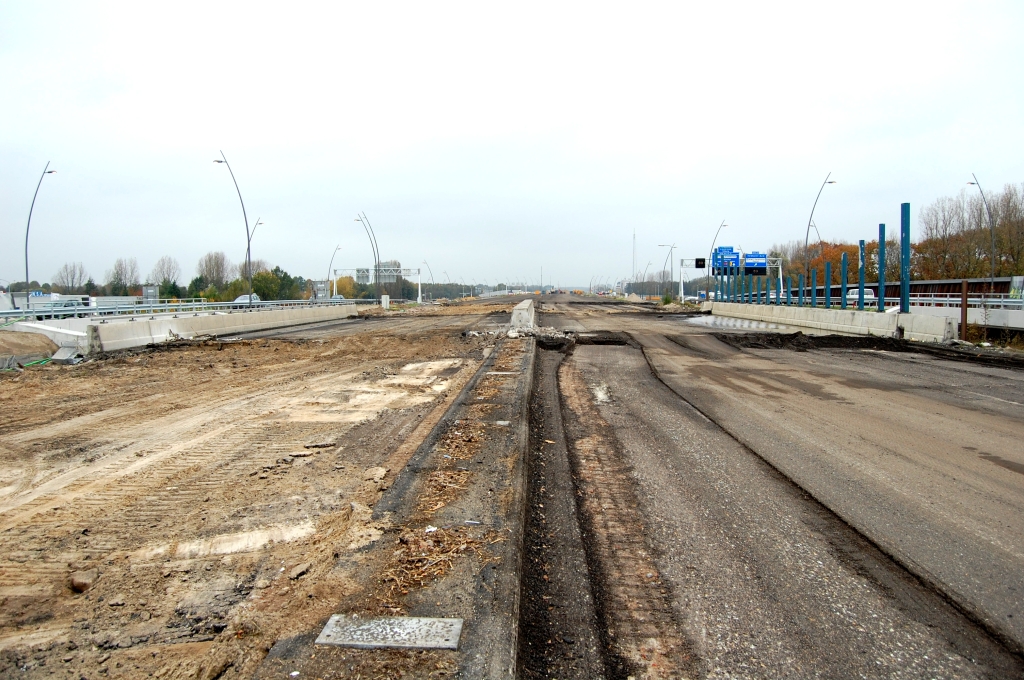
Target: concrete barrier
[(115, 336), (1009, 319), (524, 315), (918, 327)]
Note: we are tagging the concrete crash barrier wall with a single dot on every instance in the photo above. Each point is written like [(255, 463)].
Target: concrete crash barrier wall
[(917, 327), (524, 315), (1010, 319), (125, 335)]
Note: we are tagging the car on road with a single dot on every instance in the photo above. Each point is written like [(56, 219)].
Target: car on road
[(243, 301), (339, 296), (853, 295)]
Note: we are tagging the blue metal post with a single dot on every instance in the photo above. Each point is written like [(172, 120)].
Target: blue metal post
[(905, 258), (743, 288), (828, 285), (843, 281), (814, 288), (881, 267), (860, 275), (800, 292), (789, 291)]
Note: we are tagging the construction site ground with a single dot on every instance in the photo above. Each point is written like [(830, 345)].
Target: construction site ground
[(635, 492), (175, 511)]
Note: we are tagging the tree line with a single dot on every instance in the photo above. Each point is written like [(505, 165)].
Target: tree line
[(216, 279), (955, 243)]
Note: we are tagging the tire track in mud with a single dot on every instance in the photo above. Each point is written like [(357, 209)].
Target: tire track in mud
[(641, 633)]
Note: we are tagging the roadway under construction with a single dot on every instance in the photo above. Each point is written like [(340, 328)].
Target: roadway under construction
[(628, 493)]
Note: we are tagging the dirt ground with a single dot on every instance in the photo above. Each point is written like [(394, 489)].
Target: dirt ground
[(16, 343), (173, 513)]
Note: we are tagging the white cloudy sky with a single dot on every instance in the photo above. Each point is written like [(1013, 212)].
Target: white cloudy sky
[(490, 140)]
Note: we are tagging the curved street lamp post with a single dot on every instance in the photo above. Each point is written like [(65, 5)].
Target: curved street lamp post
[(28, 225), (711, 264), (431, 280), (248, 234), (991, 231), (330, 279), (376, 251), (669, 259), (807, 261)]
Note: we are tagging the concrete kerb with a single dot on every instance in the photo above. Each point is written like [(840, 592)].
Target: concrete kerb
[(916, 327)]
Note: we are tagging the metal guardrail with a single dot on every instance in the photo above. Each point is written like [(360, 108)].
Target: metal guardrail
[(998, 301), (928, 300), (53, 311)]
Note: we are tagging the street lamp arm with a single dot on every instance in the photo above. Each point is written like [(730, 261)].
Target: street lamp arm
[(373, 247), (28, 225), (376, 249), (248, 235), (329, 277), (807, 236), (992, 233), (711, 264)]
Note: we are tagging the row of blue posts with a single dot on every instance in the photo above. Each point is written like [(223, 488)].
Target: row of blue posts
[(732, 285)]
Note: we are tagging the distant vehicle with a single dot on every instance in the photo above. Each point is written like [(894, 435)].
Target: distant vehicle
[(339, 296), (244, 300), (58, 308), (853, 295)]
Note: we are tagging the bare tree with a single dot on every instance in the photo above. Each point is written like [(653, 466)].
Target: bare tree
[(215, 269), (124, 276), (1010, 231), (70, 277), (165, 269), (258, 265)]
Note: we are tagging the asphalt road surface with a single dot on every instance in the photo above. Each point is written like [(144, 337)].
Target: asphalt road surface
[(823, 513)]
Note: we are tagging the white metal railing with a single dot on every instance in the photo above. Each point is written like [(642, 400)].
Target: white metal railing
[(58, 310)]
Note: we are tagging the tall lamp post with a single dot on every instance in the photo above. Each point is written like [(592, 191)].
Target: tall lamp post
[(373, 245), (807, 236), (671, 262), (991, 231), (711, 264), (248, 235), (431, 280), (46, 171), (330, 278), (248, 247)]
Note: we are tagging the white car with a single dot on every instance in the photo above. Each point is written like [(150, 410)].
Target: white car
[(853, 295), (244, 300)]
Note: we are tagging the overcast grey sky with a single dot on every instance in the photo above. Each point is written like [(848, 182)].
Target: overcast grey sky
[(491, 140)]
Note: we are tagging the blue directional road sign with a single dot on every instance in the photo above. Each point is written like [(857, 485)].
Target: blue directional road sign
[(755, 264)]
